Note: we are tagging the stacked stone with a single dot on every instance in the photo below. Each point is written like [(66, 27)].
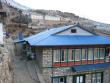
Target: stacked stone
[(47, 62), (47, 57), (5, 67)]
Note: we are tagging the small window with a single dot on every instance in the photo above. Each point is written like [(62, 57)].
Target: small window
[(77, 54), (63, 56), (102, 53), (84, 54), (90, 54), (59, 80), (73, 30), (56, 55), (71, 54)]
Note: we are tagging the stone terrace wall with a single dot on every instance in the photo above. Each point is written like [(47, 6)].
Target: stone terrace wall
[(6, 74)]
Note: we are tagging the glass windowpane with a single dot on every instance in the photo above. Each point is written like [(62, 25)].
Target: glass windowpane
[(77, 54), (102, 53), (56, 55), (90, 54)]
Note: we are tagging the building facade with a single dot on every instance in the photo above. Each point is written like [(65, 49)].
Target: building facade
[(71, 54)]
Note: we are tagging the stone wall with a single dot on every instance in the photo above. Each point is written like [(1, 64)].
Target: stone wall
[(47, 57), (6, 70), (47, 62), (49, 72), (106, 76), (62, 71), (39, 58)]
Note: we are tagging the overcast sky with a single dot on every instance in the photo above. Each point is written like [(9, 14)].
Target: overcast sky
[(98, 10)]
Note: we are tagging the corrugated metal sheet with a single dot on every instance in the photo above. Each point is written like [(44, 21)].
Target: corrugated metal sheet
[(48, 38), (44, 34), (90, 67), (62, 40)]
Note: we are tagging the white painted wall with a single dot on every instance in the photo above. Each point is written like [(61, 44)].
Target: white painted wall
[(1, 33), (47, 17), (35, 16), (79, 31)]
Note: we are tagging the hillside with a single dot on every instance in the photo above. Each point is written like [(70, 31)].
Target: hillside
[(18, 21), (75, 19)]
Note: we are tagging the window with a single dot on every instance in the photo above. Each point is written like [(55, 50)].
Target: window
[(59, 80), (107, 55), (63, 56), (56, 55), (99, 77), (55, 80), (77, 54), (90, 54), (102, 53), (79, 79), (96, 53), (94, 78), (71, 54), (73, 30), (84, 54), (89, 78), (60, 55)]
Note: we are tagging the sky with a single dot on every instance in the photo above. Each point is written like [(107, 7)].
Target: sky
[(97, 10)]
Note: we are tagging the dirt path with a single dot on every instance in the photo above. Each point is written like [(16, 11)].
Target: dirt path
[(24, 72)]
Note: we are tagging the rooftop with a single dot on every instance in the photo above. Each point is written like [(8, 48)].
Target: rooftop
[(50, 38)]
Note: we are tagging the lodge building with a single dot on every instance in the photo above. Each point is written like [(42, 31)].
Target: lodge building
[(71, 54)]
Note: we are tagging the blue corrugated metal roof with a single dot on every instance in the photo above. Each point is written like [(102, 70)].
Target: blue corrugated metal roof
[(61, 40), (48, 38), (47, 33), (44, 34), (90, 67)]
